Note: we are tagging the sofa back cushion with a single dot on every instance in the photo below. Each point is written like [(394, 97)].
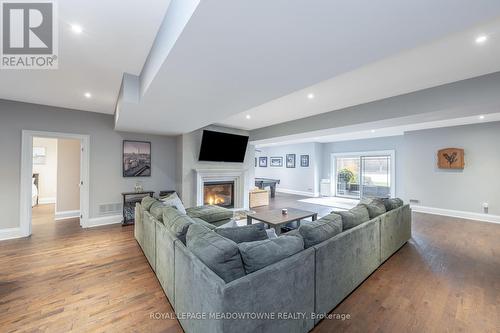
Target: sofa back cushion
[(354, 216), (197, 220), (220, 254), (156, 210), (392, 203), (318, 231), (259, 254), (247, 233), (174, 201), (146, 203), (376, 207), (176, 222)]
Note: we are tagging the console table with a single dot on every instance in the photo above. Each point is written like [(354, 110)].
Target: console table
[(129, 201)]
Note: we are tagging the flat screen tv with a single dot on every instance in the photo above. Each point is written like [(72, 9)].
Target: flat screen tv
[(223, 147)]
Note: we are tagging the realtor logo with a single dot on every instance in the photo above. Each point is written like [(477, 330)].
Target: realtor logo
[(29, 35)]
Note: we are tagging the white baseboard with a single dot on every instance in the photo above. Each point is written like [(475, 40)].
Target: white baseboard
[(67, 214), (46, 200), (105, 220), (304, 193), (10, 233), (457, 213)]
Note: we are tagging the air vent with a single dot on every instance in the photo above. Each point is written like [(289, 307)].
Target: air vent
[(414, 201), (110, 209)]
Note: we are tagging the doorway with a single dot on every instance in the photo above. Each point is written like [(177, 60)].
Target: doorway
[(363, 175), (54, 178)]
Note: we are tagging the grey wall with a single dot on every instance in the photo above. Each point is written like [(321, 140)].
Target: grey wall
[(106, 181), (417, 175), (395, 143), (301, 179)]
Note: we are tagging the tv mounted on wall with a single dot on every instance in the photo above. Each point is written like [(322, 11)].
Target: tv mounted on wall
[(223, 147)]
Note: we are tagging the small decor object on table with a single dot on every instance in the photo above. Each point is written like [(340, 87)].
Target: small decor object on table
[(263, 162), (304, 161), (138, 187), (284, 211), (136, 158), (129, 201), (276, 161), (451, 158), (290, 160)]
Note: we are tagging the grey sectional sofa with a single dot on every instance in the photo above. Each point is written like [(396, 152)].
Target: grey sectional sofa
[(307, 284)]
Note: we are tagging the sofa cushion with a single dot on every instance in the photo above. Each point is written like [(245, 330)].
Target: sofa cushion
[(174, 201), (204, 223), (220, 254), (259, 254), (354, 216), (146, 203), (247, 233), (392, 203), (318, 231), (376, 207), (210, 213), (176, 222), (156, 210)]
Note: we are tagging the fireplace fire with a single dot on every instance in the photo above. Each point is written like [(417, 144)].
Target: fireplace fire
[(219, 193)]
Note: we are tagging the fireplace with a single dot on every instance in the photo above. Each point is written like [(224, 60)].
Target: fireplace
[(220, 193)]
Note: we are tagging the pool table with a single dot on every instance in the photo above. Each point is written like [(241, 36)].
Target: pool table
[(262, 183)]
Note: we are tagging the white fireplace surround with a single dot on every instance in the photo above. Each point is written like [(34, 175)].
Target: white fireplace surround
[(239, 177)]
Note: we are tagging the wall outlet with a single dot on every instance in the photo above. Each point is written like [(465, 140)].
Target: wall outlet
[(486, 206)]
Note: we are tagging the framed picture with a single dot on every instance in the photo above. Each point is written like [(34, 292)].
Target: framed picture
[(263, 162), (304, 161), (276, 161), (136, 158), (451, 158), (256, 162), (39, 155), (290, 160)]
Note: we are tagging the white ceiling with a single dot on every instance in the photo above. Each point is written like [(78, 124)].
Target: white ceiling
[(453, 58), (233, 56), (117, 36)]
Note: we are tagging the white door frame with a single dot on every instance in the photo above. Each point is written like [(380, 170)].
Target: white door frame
[(333, 166), (27, 174)]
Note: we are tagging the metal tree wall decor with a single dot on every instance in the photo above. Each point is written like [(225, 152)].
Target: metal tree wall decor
[(451, 158)]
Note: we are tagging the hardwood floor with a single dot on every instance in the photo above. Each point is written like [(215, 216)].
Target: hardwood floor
[(64, 278)]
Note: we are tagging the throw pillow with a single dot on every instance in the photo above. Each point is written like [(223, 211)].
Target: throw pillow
[(220, 254), (318, 231), (156, 210), (174, 201), (259, 254), (354, 216), (247, 233)]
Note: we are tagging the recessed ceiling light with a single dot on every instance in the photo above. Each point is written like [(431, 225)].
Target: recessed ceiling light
[(373, 131), (481, 117), (481, 39), (77, 29), (87, 95), (248, 116), (310, 96)]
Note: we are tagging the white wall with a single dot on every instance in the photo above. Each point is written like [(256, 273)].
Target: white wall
[(298, 180), (188, 149), (68, 175), (47, 172)]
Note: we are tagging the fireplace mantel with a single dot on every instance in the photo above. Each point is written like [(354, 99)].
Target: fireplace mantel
[(238, 176)]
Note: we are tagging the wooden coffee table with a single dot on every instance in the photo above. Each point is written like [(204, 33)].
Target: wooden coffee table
[(275, 219)]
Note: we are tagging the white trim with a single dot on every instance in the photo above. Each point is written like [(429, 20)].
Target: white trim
[(67, 214), (26, 175), (333, 167), (303, 193), (105, 220), (10, 233), (46, 200), (457, 213)]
